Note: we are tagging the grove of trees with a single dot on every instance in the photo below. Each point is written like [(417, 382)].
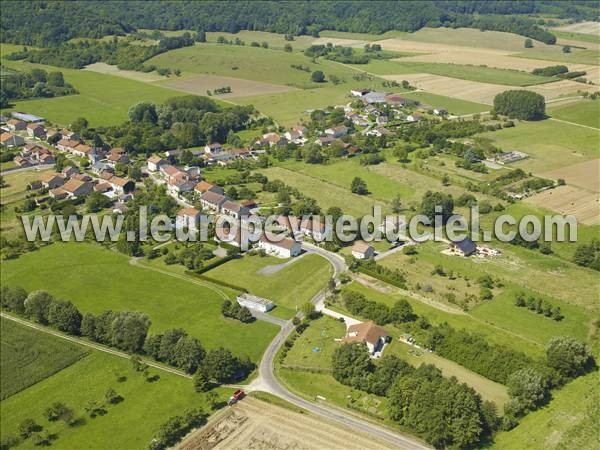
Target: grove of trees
[(520, 104)]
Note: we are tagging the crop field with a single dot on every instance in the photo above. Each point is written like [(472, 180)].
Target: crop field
[(570, 420), (571, 36), (591, 28), (256, 424), (551, 145), (454, 70), (586, 112), (82, 273), (584, 175), (453, 105), (581, 203), (201, 84), (107, 69), (575, 57), (126, 425), (362, 36), (309, 272), (28, 357)]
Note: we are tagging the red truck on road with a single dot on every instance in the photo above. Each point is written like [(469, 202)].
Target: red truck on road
[(236, 397)]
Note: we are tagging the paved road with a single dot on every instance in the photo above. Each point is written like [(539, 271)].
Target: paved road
[(267, 381), (26, 169)]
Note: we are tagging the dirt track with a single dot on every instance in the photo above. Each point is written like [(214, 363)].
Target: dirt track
[(253, 424)]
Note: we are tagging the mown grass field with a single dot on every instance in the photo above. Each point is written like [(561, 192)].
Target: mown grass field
[(550, 144), (129, 424), (362, 36), (576, 36), (453, 105), (15, 184), (103, 99), (575, 57), (569, 421), (289, 287), (461, 71), (28, 357), (96, 279), (586, 112)]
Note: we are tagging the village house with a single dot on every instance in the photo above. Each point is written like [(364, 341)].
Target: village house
[(180, 186), (21, 161), (379, 131), (188, 218), (362, 250), (284, 248), (155, 162), (415, 117), (337, 132), (103, 187), (69, 135), (358, 120), (464, 247), (272, 139), (172, 173), (370, 334), (324, 140), (314, 228), (396, 100), (58, 193), (98, 167), (253, 302), (359, 92), (16, 125), (374, 97), (11, 140), (121, 185), (68, 171), (77, 188), (212, 200), (67, 145), (382, 120), (35, 130), (213, 148), (440, 111), (234, 209), (51, 180), (115, 158), (204, 186), (82, 150)]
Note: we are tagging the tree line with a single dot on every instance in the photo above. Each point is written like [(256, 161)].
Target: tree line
[(50, 23), (34, 83)]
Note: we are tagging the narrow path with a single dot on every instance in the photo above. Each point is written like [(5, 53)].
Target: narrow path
[(575, 124)]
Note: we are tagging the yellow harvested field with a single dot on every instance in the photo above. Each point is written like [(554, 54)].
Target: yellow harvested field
[(339, 41), (253, 424), (480, 57), (101, 67), (582, 27), (199, 84), (484, 92), (585, 175), (583, 204)]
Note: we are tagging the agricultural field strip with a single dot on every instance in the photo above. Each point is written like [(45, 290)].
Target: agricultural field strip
[(576, 124)]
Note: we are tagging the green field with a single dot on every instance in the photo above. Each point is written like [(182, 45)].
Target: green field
[(289, 287), (586, 112), (575, 57), (96, 279), (576, 36), (550, 144), (127, 425), (569, 421), (453, 105), (363, 36), (461, 71), (28, 357), (250, 63), (103, 99)]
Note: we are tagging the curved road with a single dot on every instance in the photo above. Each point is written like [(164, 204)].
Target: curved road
[(268, 382)]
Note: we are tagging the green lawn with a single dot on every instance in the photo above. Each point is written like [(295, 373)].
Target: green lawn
[(289, 288), (28, 357), (15, 187), (96, 279), (103, 99), (453, 105), (461, 71), (569, 421), (550, 144), (127, 425), (585, 112)]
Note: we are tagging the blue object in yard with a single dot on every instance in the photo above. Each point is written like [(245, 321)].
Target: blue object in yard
[(316, 349)]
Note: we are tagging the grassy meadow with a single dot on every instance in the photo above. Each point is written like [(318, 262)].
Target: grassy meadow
[(453, 105), (310, 274), (586, 112), (29, 356), (126, 425), (96, 279)]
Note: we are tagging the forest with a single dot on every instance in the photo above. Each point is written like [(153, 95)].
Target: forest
[(45, 23)]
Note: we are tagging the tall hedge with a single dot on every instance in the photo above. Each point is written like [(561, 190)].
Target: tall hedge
[(520, 104)]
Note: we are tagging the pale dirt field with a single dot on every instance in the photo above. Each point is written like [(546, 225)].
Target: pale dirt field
[(479, 57), (101, 67), (585, 175), (199, 84), (581, 203), (582, 27), (339, 41), (484, 92), (253, 424)]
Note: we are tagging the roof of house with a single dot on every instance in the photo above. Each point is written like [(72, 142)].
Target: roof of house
[(73, 185), (213, 197), (169, 170), (466, 245), (6, 136), (339, 128), (286, 243), (119, 181), (233, 206), (203, 186), (214, 145), (187, 212), (34, 125), (102, 187), (58, 192), (83, 148), (361, 247), (14, 122), (155, 159), (364, 332)]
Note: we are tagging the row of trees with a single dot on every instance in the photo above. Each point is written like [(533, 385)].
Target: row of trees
[(588, 255), (539, 306), (34, 83), (236, 311), (381, 314), (442, 411)]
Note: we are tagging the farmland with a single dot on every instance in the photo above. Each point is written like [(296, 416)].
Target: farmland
[(201, 84), (583, 204), (82, 273), (128, 424), (584, 113), (29, 357)]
